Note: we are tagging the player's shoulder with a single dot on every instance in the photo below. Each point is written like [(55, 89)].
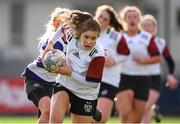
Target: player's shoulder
[(99, 47), (97, 50), (71, 40), (160, 40)]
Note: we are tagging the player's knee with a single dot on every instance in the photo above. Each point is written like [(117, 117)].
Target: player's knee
[(44, 105), (148, 107), (124, 109), (56, 116), (46, 112)]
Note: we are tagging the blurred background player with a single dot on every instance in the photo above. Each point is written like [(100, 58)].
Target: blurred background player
[(134, 85), (149, 24), (113, 43), (39, 82), (80, 77)]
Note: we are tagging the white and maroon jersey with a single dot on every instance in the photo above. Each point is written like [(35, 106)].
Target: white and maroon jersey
[(36, 70), (87, 69), (141, 44), (155, 69), (110, 41)]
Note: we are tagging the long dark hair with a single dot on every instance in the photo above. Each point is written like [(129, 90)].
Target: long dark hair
[(114, 23)]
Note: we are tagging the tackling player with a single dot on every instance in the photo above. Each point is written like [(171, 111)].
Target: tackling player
[(39, 82)]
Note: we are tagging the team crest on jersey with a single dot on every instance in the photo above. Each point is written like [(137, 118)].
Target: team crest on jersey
[(88, 107), (144, 36), (76, 54), (113, 36)]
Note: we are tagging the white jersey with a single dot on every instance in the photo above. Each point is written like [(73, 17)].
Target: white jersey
[(36, 69), (138, 45), (110, 40), (155, 69), (87, 67)]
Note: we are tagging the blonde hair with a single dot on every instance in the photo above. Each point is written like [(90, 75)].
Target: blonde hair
[(62, 13), (123, 12), (151, 18)]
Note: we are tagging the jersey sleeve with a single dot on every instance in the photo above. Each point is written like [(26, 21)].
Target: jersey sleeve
[(169, 60), (166, 52), (152, 48), (122, 47), (122, 51), (59, 33), (59, 45), (95, 69), (42, 45)]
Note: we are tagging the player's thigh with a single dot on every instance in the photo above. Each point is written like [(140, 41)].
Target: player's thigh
[(124, 100), (139, 107), (44, 104), (59, 102), (81, 118), (36, 90), (105, 105)]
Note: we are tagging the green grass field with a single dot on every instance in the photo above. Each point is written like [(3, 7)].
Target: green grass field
[(32, 119)]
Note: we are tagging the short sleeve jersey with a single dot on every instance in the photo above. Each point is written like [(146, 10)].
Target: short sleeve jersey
[(155, 69), (142, 44), (110, 40), (88, 64)]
